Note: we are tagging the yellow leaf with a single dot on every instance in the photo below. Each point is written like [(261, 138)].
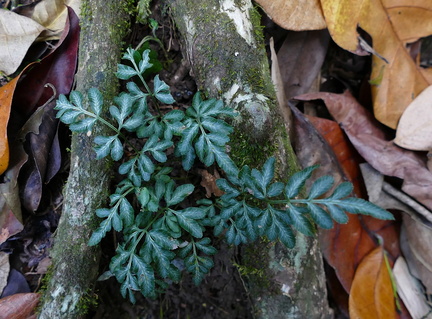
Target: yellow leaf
[(371, 294), (391, 24)]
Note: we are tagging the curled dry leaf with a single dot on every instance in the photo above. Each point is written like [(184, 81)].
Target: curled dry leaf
[(371, 294), (391, 25), (209, 183), (297, 15), (414, 130), (19, 306), (369, 139), (17, 33)]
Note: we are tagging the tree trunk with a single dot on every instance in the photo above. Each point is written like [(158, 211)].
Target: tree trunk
[(75, 264), (224, 45)]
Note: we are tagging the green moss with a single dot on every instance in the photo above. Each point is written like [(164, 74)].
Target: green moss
[(87, 302)]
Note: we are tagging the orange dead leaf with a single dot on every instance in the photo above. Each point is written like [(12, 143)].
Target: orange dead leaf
[(6, 94), (391, 24), (371, 294)]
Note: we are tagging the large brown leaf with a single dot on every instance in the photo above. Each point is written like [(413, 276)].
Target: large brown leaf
[(19, 306), (372, 295), (370, 141), (396, 77)]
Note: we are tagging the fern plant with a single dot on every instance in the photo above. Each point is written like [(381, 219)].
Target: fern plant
[(165, 223)]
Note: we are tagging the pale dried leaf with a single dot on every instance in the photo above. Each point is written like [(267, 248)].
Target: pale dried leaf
[(4, 270), (414, 130), (297, 15), (415, 241), (410, 291), (17, 33)]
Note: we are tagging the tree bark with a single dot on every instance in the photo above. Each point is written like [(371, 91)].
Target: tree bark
[(75, 264), (223, 42)]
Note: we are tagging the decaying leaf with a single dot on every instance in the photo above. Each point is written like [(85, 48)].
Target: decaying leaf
[(369, 139), (414, 130), (4, 270), (300, 60), (297, 15), (410, 291), (371, 294), (17, 33), (19, 306), (416, 240), (397, 78), (6, 94), (208, 181)]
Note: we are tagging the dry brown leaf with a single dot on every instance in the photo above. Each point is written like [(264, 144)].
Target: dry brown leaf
[(19, 306), (416, 242), (391, 24), (410, 291), (209, 183), (17, 33), (414, 130), (296, 15), (371, 294)]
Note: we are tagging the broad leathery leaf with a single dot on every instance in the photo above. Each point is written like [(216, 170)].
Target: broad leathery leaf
[(216, 126), (299, 220), (144, 64), (145, 274), (16, 39), (125, 72), (95, 100), (143, 196), (117, 149), (320, 216), (180, 193), (361, 206), (6, 94), (337, 214), (126, 212), (297, 181), (342, 190), (103, 145), (189, 224), (98, 234), (321, 186), (371, 294), (275, 189), (83, 125), (174, 116), (188, 135), (205, 247), (162, 92), (225, 162), (268, 171)]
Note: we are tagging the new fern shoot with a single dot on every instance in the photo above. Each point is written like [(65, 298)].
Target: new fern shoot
[(162, 218)]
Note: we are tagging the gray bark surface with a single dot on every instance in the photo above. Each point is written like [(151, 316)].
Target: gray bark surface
[(76, 265), (223, 42)]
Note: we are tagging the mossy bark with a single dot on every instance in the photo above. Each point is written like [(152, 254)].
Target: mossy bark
[(75, 265), (224, 45)]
